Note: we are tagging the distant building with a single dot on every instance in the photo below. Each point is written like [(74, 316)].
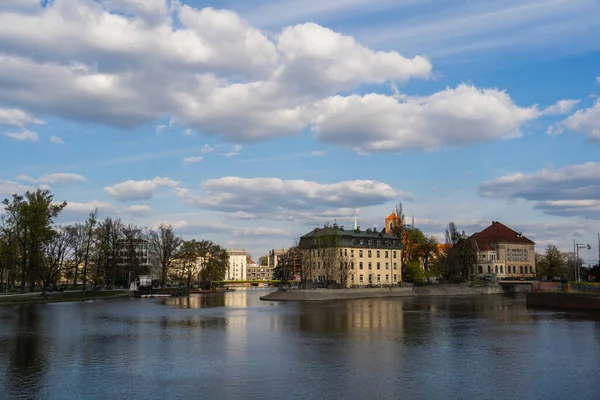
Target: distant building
[(499, 250), (290, 264), (237, 265), (136, 257), (252, 270), (274, 255), (351, 257)]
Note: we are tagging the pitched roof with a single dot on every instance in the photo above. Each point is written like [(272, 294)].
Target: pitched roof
[(347, 233), (498, 232), (392, 216)]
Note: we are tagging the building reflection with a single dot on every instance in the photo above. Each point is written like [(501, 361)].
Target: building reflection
[(209, 300)]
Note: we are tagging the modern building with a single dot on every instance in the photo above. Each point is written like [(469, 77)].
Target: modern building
[(238, 266), (354, 257), (290, 264), (502, 251), (252, 270), (136, 257)]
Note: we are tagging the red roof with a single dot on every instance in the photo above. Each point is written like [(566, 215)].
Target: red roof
[(498, 232), (392, 216)]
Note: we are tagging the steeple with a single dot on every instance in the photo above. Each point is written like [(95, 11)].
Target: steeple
[(355, 220)]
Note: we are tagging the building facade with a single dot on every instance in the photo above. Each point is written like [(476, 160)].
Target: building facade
[(351, 257), (136, 257), (501, 251), (238, 266)]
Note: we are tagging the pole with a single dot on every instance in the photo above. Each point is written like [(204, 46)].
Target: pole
[(577, 265), (6, 283)]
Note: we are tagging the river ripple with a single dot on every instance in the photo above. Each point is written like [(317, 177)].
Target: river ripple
[(234, 346)]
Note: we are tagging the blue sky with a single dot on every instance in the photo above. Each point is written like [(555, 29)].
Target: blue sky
[(251, 122)]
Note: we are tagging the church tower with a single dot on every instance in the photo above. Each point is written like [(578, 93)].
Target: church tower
[(391, 222)]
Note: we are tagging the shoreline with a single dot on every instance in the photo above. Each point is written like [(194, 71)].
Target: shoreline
[(351, 294), (564, 300), (13, 300)]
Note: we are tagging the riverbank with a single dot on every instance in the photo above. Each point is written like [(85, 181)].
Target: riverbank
[(350, 294), (567, 300), (57, 297)]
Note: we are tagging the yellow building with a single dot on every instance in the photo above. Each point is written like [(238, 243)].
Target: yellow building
[(351, 257)]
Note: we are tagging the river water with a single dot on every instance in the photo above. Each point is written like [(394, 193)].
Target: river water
[(235, 346)]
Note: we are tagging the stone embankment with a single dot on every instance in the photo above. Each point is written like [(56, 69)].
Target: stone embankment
[(349, 294), (569, 300)]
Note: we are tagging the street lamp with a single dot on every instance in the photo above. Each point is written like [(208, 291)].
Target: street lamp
[(577, 268)]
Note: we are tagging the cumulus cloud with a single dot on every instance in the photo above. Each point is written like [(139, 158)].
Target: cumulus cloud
[(56, 140), (585, 121), (453, 117), (570, 191), (54, 179), (10, 188), (561, 107), (16, 117), (234, 151), (274, 198), (25, 135), (138, 190), (206, 149), (139, 210)]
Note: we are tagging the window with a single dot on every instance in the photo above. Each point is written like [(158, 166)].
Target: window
[(387, 265), (352, 278), (345, 252), (480, 269), (395, 278), (370, 266), (369, 253), (341, 252), (360, 265), (501, 269), (360, 278), (352, 253), (395, 265), (370, 278), (378, 278), (521, 269), (360, 254), (489, 269), (531, 269), (496, 268), (387, 277), (387, 254), (394, 254), (352, 265), (378, 265)]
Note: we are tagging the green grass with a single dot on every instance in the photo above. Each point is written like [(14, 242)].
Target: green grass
[(61, 297)]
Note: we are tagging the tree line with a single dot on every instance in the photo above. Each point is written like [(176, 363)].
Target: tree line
[(35, 250)]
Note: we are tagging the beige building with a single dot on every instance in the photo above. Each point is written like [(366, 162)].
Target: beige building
[(502, 251), (351, 257)]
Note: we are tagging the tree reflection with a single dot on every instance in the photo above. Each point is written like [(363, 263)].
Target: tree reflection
[(28, 359), (197, 301)]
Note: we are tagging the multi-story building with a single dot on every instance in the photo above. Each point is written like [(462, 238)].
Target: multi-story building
[(237, 265), (351, 257), (136, 257), (252, 270), (501, 251), (289, 265), (274, 255)]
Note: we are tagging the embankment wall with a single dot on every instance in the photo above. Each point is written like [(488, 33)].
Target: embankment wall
[(568, 300)]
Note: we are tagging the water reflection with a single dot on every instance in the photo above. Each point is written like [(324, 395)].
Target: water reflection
[(28, 355), (235, 346)]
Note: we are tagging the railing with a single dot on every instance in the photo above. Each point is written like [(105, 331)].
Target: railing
[(585, 287)]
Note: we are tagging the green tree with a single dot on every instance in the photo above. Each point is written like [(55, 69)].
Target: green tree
[(187, 256), (552, 263), (413, 272), (215, 265)]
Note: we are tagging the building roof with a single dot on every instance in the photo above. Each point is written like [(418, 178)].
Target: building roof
[(497, 232), (369, 234), (392, 216)]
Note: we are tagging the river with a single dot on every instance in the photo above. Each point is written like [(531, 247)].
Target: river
[(235, 346)]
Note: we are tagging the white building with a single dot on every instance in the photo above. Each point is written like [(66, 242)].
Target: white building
[(237, 265)]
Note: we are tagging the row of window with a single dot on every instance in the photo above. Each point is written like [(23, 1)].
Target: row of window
[(317, 265), (361, 278), (523, 269), (344, 253)]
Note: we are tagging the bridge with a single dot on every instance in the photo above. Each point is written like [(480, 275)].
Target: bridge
[(516, 286)]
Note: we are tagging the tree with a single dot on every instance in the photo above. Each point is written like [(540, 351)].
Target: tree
[(413, 272), (89, 226), (187, 257), (429, 252), (108, 243), (552, 263), (215, 265), (55, 252), (165, 244), (76, 238)]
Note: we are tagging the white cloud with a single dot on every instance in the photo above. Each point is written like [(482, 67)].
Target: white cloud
[(598, 79), (77, 208), (561, 107), (317, 153), (193, 160), (206, 149), (139, 210), (54, 179), (24, 135), (453, 117), (234, 151), (10, 188), (276, 198), (56, 140), (138, 190), (160, 128), (570, 191), (586, 121), (16, 117)]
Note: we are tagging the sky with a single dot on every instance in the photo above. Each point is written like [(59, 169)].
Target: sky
[(250, 123)]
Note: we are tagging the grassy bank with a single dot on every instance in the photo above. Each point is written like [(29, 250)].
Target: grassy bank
[(61, 297)]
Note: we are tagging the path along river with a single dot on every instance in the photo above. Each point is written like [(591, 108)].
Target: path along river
[(235, 346)]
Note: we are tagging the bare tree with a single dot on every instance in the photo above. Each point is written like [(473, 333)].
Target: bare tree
[(90, 225), (55, 253), (165, 244)]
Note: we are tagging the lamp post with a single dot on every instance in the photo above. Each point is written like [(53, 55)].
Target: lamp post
[(577, 268)]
